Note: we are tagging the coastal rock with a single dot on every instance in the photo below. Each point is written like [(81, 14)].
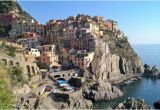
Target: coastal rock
[(101, 91), (132, 103), (157, 104), (80, 104), (152, 72), (114, 58)]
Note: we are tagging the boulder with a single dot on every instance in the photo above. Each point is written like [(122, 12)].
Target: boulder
[(101, 91), (132, 103)]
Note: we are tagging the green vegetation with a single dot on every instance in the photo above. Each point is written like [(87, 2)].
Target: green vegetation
[(6, 95), (119, 46), (3, 44), (16, 75), (11, 51), (6, 6), (5, 29), (9, 77), (41, 66)]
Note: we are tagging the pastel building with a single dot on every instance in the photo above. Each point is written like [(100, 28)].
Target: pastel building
[(19, 27), (32, 40), (48, 56), (35, 52), (40, 29), (82, 59), (50, 24)]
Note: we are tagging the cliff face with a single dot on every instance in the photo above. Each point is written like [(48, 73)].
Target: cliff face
[(114, 57)]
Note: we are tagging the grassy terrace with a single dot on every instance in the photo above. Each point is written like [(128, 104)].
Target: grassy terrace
[(9, 77), (10, 48)]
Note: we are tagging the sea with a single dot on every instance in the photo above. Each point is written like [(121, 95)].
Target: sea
[(146, 88)]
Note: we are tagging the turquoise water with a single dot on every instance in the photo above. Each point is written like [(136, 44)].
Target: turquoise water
[(146, 88)]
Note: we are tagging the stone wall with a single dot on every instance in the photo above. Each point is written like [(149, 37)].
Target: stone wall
[(19, 60), (63, 74)]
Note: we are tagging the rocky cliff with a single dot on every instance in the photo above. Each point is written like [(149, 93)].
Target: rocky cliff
[(114, 57), (101, 91)]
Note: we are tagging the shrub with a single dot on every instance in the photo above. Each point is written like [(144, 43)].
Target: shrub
[(16, 75), (6, 96), (11, 51)]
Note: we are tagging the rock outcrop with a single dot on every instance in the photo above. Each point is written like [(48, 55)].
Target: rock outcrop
[(114, 57), (68, 101), (101, 91), (131, 103), (157, 104), (76, 103), (153, 72)]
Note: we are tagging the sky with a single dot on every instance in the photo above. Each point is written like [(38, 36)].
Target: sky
[(139, 20)]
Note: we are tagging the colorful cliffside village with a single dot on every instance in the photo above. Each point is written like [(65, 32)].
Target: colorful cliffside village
[(62, 44)]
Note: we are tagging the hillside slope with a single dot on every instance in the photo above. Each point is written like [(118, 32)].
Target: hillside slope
[(9, 12)]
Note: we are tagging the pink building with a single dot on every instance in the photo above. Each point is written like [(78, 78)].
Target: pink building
[(48, 56), (82, 59)]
